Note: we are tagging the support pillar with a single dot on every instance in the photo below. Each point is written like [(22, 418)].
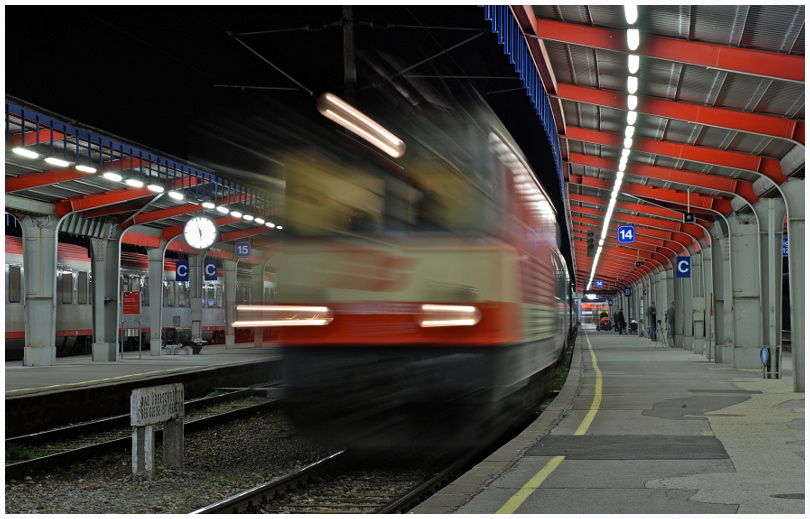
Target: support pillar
[(793, 190), (105, 261), (229, 266), (723, 308), (40, 241), (708, 291), (257, 280), (747, 304), (155, 257), (195, 290), (771, 212)]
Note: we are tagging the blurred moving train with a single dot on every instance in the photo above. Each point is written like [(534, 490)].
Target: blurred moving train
[(74, 299), (421, 301)]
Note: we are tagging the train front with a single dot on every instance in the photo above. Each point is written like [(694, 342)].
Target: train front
[(401, 306)]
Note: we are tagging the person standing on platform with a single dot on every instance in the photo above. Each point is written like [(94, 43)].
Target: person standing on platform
[(671, 321), (621, 322), (653, 316)]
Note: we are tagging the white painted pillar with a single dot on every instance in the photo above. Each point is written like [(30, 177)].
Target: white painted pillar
[(747, 309), (155, 257), (105, 256), (229, 266), (793, 190), (40, 241), (195, 292)]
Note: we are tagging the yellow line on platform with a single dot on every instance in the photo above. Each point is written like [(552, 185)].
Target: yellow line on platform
[(533, 484)]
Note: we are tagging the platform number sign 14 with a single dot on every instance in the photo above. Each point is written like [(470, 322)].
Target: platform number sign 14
[(626, 234)]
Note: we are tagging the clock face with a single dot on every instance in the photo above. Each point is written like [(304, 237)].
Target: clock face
[(200, 232)]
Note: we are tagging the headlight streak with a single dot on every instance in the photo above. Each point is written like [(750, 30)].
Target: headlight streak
[(286, 316)]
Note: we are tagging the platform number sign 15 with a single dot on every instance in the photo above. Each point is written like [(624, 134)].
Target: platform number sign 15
[(626, 234), (242, 249)]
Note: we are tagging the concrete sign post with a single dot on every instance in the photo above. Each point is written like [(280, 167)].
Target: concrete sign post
[(149, 406)]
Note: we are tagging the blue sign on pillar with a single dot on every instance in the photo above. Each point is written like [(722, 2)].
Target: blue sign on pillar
[(610, 302), (627, 291), (210, 270), (683, 267), (784, 246), (599, 283), (181, 270)]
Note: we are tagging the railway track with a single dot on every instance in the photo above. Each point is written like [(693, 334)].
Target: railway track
[(337, 485), (71, 444)]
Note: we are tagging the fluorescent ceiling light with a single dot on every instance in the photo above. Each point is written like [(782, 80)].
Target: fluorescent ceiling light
[(25, 153), (176, 195), (632, 63), (279, 227), (632, 102), (619, 176), (632, 84), (270, 224), (157, 188), (632, 115), (113, 176), (247, 217), (630, 13), (86, 169), (259, 220), (57, 162), (625, 153), (208, 205), (236, 214), (632, 39), (628, 142), (223, 209), (629, 131), (134, 182), (334, 108)]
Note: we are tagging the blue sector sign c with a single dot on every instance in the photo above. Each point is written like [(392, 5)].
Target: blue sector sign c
[(210, 270), (181, 270), (683, 267)]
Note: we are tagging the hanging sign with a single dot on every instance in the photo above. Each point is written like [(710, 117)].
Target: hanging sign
[(210, 270), (599, 283), (626, 234), (683, 267), (242, 249), (181, 270), (784, 246), (627, 291)]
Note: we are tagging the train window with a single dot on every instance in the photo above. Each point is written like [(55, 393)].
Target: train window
[(168, 292), (182, 289), (82, 288), (219, 296), (125, 283), (209, 296), (14, 284), (67, 288)]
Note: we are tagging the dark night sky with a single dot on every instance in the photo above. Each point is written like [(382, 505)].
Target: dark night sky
[(148, 73)]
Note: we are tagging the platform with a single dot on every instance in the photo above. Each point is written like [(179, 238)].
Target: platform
[(639, 429), (76, 388)]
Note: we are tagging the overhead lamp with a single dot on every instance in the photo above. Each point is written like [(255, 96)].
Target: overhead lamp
[(633, 62), (113, 176), (630, 14), (620, 175), (157, 188), (57, 162), (176, 195), (26, 153), (625, 153), (628, 132), (134, 182), (334, 108), (628, 142), (236, 214), (632, 102), (223, 209), (270, 224), (86, 169), (259, 220), (632, 115), (247, 217), (632, 39), (618, 182), (601, 242), (279, 227), (632, 84), (208, 205)]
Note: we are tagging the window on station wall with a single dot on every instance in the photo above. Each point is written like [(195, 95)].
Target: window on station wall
[(83, 296), (14, 284), (182, 293), (66, 288)]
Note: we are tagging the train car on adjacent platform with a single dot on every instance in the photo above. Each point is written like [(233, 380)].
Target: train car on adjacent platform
[(74, 299)]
